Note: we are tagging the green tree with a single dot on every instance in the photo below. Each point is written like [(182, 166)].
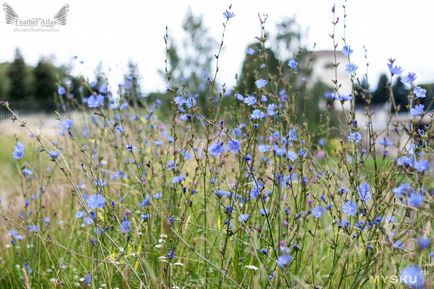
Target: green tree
[(288, 38), (4, 80), (45, 85), (272, 63), (381, 94), (20, 82), (190, 67), (250, 71), (400, 94), (132, 83)]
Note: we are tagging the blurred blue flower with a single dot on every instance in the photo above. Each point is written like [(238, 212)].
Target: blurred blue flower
[(330, 95), (130, 148), (237, 132), (346, 50), (61, 90), (283, 260), (415, 200), (270, 109), (261, 83), (394, 69), (409, 78), (254, 193), (171, 165), (423, 242), (401, 190), (292, 135), (405, 160), (100, 183), (171, 254), (186, 154), (54, 154), (28, 268), (216, 149), (421, 165), (417, 110), (178, 179), (364, 192), (229, 210), (190, 102), (18, 152), (145, 202), (125, 227), (291, 155), (103, 89), (279, 151), (66, 124), (118, 175), (234, 146), (157, 196), (250, 51), (250, 100), (350, 208), (27, 172), (355, 137), (123, 106), (95, 101), (243, 217), (398, 245), (317, 212), (171, 220), (283, 95), (360, 225), (345, 97), (179, 100), (257, 114), (96, 201), (228, 14), (87, 279), (264, 148), (221, 193), (419, 92), (413, 277), (15, 235), (351, 68), (293, 64), (264, 212), (343, 190), (80, 214), (87, 221), (385, 142), (322, 142), (239, 97), (33, 228)]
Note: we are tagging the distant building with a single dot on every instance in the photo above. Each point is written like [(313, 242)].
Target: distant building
[(323, 69)]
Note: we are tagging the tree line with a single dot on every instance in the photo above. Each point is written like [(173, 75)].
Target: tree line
[(46, 86)]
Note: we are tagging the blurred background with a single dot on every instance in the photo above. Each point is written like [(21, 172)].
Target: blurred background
[(116, 43)]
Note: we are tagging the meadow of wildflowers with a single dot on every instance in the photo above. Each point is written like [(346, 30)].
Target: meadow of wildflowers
[(239, 196)]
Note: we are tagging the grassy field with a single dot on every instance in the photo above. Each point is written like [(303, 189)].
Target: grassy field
[(185, 212)]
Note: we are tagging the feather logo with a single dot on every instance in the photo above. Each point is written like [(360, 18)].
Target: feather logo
[(60, 18), (10, 15)]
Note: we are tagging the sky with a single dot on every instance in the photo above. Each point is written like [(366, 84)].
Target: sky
[(113, 32)]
